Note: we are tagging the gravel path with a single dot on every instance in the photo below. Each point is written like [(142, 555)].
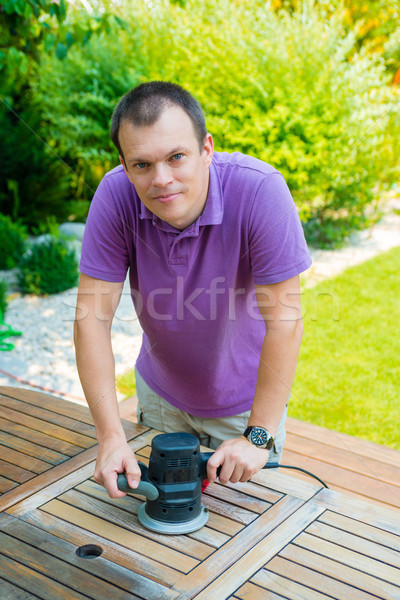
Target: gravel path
[(44, 354)]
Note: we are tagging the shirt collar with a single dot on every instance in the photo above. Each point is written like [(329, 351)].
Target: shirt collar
[(213, 211)]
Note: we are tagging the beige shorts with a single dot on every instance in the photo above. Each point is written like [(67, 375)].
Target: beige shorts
[(153, 411)]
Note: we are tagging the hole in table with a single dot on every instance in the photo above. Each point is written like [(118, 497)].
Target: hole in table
[(89, 551)]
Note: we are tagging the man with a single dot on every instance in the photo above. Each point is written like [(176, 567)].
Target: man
[(214, 249)]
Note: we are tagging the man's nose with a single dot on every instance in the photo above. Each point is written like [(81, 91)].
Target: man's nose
[(162, 175)]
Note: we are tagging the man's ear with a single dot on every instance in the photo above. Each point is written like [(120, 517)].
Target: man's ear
[(208, 148)]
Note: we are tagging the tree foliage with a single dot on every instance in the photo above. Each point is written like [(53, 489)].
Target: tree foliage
[(291, 86)]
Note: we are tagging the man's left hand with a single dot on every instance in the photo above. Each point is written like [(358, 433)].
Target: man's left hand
[(239, 460)]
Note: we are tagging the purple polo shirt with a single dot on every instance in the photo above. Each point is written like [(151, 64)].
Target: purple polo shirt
[(193, 290)]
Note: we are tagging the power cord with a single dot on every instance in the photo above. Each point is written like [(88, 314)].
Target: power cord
[(277, 465)]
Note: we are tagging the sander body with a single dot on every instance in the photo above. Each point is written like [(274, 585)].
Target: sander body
[(172, 485)]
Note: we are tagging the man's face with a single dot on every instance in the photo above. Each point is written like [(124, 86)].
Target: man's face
[(166, 166)]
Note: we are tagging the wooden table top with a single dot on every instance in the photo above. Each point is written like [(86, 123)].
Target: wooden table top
[(275, 537)]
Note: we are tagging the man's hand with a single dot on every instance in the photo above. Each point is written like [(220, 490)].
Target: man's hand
[(239, 460), (115, 456)]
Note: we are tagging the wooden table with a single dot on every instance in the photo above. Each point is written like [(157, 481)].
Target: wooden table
[(276, 537)]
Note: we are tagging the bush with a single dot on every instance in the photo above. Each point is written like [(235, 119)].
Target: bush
[(12, 246), (76, 123), (3, 297), (48, 267), (290, 89), (34, 182)]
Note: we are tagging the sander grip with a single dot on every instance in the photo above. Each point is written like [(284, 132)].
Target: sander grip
[(204, 456), (145, 487)]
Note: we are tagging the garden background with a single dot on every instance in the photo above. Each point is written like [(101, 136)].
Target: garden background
[(310, 87)]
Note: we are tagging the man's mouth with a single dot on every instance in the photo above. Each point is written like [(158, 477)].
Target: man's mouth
[(165, 198)]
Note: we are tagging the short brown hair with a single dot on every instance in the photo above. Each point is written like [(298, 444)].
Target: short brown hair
[(143, 106)]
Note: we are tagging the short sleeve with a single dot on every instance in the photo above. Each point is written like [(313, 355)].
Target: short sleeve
[(278, 250), (104, 245)]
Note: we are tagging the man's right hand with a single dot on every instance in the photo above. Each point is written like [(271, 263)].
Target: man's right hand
[(115, 456)]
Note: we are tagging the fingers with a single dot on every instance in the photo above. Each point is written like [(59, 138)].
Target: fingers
[(113, 459), (212, 465), (238, 459), (109, 481), (132, 472)]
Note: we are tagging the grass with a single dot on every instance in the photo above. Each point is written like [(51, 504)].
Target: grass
[(348, 376)]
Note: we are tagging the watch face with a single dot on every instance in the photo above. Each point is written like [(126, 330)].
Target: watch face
[(259, 436)]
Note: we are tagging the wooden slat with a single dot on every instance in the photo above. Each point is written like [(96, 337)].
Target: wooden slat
[(285, 585), (54, 403), (61, 478), (14, 472), (20, 459), (350, 465), (280, 572), (340, 571), (246, 559), (6, 484), (335, 439), (367, 532), (31, 494), (229, 510), (237, 498), (49, 429), (334, 475), (249, 591), (50, 416), (223, 524), (65, 573), (119, 535), (382, 518), (345, 458), (132, 504), (353, 542), (34, 450), (65, 407), (128, 520), (30, 580), (8, 591), (285, 484), (39, 438), (103, 574), (343, 555), (250, 488), (126, 557)]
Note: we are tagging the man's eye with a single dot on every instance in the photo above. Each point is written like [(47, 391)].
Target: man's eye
[(177, 156), (141, 165)]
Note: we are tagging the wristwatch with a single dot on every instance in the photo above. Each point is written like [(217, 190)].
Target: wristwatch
[(259, 436)]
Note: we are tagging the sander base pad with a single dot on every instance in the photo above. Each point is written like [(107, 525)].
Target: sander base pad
[(172, 528)]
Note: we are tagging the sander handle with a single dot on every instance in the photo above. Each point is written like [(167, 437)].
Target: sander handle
[(204, 456), (145, 487)]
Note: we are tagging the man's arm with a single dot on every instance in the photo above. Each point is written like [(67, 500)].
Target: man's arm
[(280, 308), (96, 305)]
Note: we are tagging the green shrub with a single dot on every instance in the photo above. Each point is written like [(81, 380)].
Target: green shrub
[(34, 182), (3, 297), (12, 246), (48, 267), (290, 89), (76, 123)]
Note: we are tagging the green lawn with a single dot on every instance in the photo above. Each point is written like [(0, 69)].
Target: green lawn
[(348, 376)]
